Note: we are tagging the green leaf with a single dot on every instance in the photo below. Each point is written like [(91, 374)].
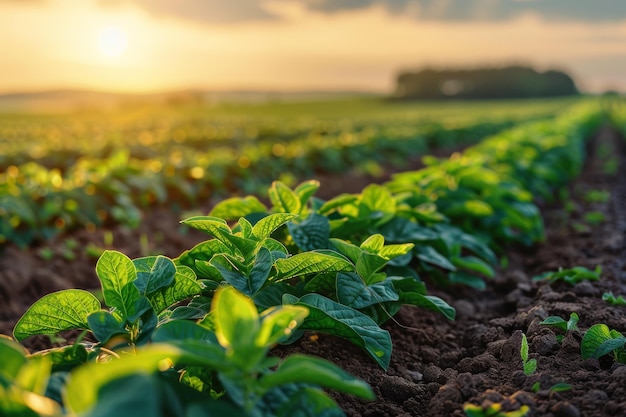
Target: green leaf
[(373, 244), (403, 230), (65, 357), (153, 273), (593, 339), (413, 292), (305, 190), (462, 277), (337, 319), (237, 207), (394, 251), (340, 200), (132, 395), (13, 358), (353, 292), (609, 346), (260, 271), (473, 264), (104, 325), (367, 265), (184, 286), (82, 389), (117, 273), (524, 349), (312, 263), (183, 330), (55, 312), (306, 401), (376, 198), (236, 326), (429, 255), (34, 375), (311, 233), (530, 367), (555, 321), (277, 323), (347, 249), (284, 199), (266, 226), (311, 370)]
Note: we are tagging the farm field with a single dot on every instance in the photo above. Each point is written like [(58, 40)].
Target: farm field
[(92, 168), (449, 247)]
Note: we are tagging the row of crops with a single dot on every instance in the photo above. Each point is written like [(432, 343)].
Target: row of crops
[(191, 336), (89, 170)]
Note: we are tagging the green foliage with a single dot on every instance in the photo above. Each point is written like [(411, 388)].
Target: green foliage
[(571, 276), (557, 322), (529, 365), (613, 300), (135, 292), (54, 177), (599, 340), (188, 367)]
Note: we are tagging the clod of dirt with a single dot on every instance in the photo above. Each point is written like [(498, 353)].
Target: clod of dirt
[(565, 409), (399, 389)]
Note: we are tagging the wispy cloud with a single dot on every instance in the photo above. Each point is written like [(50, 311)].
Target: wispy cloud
[(235, 11), (209, 11)]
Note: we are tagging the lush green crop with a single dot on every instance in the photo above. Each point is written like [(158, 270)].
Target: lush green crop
[(148, 357), (59, 172), (191, 336)]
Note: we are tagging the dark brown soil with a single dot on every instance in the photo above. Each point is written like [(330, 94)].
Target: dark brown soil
[(437, 365)]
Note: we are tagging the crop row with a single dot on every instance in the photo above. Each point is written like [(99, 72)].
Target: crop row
[(190, 336), (57, 176)]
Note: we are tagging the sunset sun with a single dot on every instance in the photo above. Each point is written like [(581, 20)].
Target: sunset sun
[(112, 42)]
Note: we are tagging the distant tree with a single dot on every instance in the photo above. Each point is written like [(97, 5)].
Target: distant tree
[(483, 83)]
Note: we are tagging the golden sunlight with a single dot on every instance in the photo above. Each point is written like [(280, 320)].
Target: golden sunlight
[(112, 42)]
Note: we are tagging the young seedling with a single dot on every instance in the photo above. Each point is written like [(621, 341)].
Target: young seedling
[(559, 387), (594, 218), (571, 276), (613, 300), (561, 324), (530, 365), (599, 340), (597, 196)]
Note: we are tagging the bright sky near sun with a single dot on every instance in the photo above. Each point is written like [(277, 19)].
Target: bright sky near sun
[(156, 45)]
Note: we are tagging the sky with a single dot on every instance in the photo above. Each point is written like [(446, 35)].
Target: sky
[(293, 45)]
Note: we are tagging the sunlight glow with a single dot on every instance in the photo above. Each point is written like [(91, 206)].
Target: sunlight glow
[(112, 41)]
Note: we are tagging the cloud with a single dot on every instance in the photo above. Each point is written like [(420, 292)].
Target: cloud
[(209, 11), (492, 10)]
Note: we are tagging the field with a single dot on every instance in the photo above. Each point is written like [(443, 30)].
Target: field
[(435, 282)]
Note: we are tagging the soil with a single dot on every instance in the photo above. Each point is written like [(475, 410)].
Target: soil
[(437, 365)]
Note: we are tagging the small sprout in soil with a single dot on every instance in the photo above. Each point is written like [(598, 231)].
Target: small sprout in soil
[(559, 323), (610, 167), (559, 387), (489, 409), (94, 251), (599, 340), (46, 253), (530, 365), (594, 218), (571, 276), (613, 300), (597, 196)]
